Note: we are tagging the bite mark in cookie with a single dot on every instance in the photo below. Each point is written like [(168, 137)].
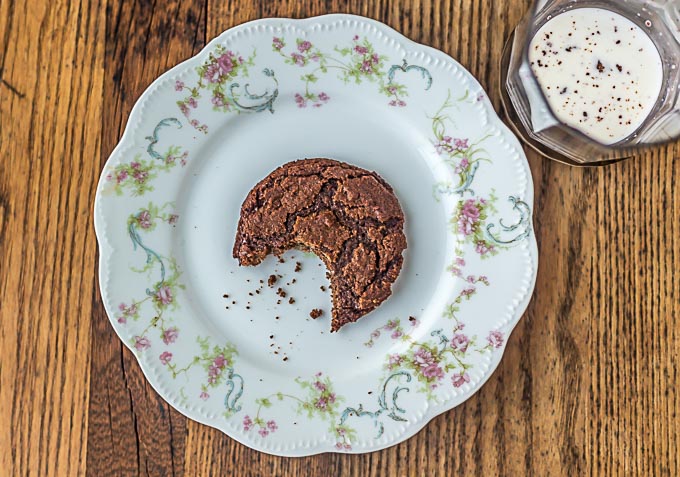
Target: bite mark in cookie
[(346, 215)]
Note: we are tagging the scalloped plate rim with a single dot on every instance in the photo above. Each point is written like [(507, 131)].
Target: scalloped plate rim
[(106, 250)]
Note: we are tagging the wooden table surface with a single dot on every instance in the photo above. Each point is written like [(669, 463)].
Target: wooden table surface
[(589, 381)]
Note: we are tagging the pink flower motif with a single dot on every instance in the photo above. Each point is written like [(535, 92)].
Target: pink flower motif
[(225, 62), (247, 423), (164, 295), (304, 46), (324, 97), (218, 99), (165, 357), (271, 425), (213, 373), (433, 371), (461, 144), (393, 102), (173, 219), (298, 59), (460, 262), (220, 361), (314, 57), (468, 218), (140, 176), (459, 326), (392, 90), (277, 43), (471, 279), (135, 165), (401, 103), (212, 73), (396, 334), (459, 379), (356, 37), (468, 292), (122, 307), (460, 342), (375, 334), (341, 431), (142, 343), (362, 50), (321, 403), (179, 86), (183, 162), (331, 398), (192, 102), (318, 374), (480, 97), (447, 139), (301, 102), (495, 338), (319, 386), (464, 163), (170, 335), (122, 320), (470, 209), (367, 67), (263, 432), (347, 447), (483, 248), (390, 325), (109, 177), (194, 123), (423, 358), (375, 58), (122, 175), (184, 108), (204, 396), (144, 219), (395, 360), (338, 445)]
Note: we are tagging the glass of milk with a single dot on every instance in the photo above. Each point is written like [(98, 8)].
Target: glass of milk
[(593, 81)]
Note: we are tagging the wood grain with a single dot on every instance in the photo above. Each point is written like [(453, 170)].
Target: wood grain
[(587, 385)]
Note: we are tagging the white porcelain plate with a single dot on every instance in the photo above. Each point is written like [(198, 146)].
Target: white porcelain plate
[(221, 345)]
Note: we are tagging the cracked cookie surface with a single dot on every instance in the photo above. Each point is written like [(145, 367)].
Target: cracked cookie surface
[(346, 215)]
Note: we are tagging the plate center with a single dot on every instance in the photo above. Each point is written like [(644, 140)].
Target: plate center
[(273, 329)]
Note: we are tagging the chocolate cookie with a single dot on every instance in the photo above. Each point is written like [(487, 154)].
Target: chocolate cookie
[(346, 215)]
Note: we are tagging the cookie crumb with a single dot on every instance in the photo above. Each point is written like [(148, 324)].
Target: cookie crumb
[(323, 288), (225, 296), (272, 279), (291, 300), (281, 293), (315, 313), (298, 266), (285, 358)]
